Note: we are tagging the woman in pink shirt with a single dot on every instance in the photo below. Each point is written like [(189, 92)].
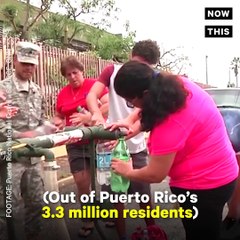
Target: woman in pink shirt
[(188, 142)]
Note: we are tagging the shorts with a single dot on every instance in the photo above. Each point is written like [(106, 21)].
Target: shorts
[(78, 156), (139, 160)]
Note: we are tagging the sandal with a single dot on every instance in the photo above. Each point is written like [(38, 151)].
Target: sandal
[(230, 229), (86, 229), (228, 223), (110, 224)]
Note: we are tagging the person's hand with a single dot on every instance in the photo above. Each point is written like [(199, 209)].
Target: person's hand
[(46, 128), (28, 134), (3, 96), (110, 144), (122, 168), (80, 119), (58, 122), (97, 119), (7, 111), (120, 124)]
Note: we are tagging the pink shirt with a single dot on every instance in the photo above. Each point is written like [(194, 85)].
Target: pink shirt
[(204, 158)]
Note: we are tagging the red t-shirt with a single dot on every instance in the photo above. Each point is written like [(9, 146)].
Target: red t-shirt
[(106, 74), (69, 99)]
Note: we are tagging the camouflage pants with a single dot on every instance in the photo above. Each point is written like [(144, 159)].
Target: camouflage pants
[(26, 200)]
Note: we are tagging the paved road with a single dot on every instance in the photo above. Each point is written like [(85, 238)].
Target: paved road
[(173, 227)]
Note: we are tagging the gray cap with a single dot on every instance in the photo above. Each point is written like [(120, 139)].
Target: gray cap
[(27, 52)]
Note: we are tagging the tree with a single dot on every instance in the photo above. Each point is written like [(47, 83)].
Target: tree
[(112, 47), (173, 60), (102, 10), (235, 65), (58, 30), (50, 31), (23, 22)]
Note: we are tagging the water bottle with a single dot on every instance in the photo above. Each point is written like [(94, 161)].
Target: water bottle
[(145, 234), (119, 183), (103, 164), (81, 109)]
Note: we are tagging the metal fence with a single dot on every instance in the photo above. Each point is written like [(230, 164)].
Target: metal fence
[(48, 75)]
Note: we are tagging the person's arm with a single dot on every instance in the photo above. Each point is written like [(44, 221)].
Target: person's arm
[(104, 105), (156, 171), (97, 94), (6, 131), (134, 130), (134, 122), (45, 126), (58, 120), (165, 141), (131, 123), (93, 103), (81, 118), (6, 111), (134, 116)]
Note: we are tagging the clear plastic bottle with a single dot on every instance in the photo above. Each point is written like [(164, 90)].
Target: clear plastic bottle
[(145, 234), (104, 157), (119, 183), (81, 110)]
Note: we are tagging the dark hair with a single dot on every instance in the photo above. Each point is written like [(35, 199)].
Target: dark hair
[(166, 92), (70, 62), (148, 50)]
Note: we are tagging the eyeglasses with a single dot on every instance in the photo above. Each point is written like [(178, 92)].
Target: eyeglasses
[(129, 104)]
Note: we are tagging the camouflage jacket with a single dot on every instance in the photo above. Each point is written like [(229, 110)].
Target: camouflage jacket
[(29, 99)]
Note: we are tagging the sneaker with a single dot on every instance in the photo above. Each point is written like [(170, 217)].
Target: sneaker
[(109, 224), (230, 229), (228, 223)]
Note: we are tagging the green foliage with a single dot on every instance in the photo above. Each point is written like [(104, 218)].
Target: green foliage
[(90, 72), (51, 30), (109, 46), (105, 8), (10, 12), (59, 30), (23, 16), (114, 47)]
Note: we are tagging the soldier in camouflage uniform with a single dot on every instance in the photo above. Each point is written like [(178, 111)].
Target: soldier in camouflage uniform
[(27, 183)]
